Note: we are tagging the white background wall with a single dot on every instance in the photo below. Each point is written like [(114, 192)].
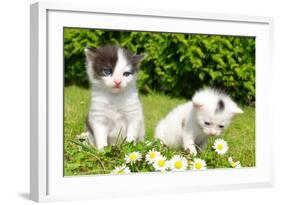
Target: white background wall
[(14, 101)]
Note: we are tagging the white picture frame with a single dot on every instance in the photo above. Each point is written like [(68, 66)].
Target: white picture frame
[(47, 182)]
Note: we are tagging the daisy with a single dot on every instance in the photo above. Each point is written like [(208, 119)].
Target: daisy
[(151, 156), (121, 170), (161, 164), (234, 164), (133, 157), (178, 163), (198, 164), (220, 146)]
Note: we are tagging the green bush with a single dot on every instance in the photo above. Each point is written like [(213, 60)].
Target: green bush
[(175, 64)]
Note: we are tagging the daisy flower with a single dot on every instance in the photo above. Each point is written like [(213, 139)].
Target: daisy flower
[(133, 157), (178, 163), (151, 156), (198, 164), (121, 170), (161, 164), (220, 146), (234, 164)]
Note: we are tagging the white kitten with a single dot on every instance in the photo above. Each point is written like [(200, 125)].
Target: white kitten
[(190, 124), (115, 104)]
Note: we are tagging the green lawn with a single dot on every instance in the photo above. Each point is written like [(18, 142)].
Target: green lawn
[(81, 159)]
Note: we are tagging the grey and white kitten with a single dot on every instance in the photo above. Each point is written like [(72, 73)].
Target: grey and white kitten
[(115, 104), (190, 124)]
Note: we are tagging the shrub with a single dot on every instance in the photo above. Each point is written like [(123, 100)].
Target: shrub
[(176, 64)]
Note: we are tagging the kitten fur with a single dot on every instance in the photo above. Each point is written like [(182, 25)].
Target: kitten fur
[(190, 124), (115, 106)]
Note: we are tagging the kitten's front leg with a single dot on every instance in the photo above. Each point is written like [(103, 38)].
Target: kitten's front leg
[(133, 128), (100, 134), (202, 143), (188, 143)]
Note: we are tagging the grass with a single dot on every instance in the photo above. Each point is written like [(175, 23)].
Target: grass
[(81, 159)]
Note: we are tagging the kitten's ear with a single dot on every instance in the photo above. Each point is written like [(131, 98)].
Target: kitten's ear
[(138, 58), (90, 53), (197, 102), (142, 56), (198, 106), (236, 110)]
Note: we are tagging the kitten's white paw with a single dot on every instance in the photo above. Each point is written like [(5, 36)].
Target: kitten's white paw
[(130, 139), (192, 149), (100, 147)]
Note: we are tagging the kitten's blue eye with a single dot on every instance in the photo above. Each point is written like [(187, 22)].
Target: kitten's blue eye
[(107, 71), (127, 74), (207, 123)]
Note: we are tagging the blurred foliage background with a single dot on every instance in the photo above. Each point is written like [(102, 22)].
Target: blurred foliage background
[(175, 64)]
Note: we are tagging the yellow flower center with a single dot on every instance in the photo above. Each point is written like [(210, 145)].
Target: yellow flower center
[(161, 163), (133, 156), (198, 165), (220, 147), (152, 155), (233, 164), (178, 164)]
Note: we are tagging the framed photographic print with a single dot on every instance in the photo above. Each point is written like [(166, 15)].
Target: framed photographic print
[(128, 101)]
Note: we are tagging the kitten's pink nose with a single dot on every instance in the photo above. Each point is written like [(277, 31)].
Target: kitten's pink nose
[(117, 82)]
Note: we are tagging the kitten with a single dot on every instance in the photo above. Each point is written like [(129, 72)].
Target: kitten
[(115, 106), (190, 124)]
